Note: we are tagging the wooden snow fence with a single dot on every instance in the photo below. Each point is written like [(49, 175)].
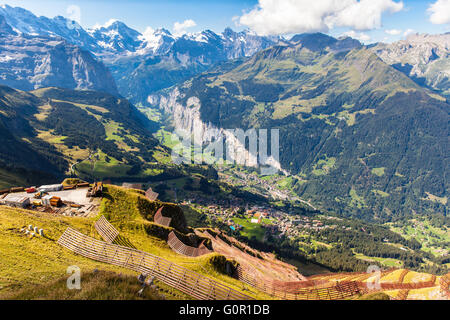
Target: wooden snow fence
[(336, 292), (402, 286), (402, 295), (445, 285), (160, 219), (179, 247), (187, 281), (106, 230)]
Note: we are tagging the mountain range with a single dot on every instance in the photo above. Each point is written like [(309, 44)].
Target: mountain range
[(30, 62), (358, 135), (142, 64), (364, 129)]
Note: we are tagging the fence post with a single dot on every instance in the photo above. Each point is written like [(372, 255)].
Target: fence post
[(154, 266), (128, 259)]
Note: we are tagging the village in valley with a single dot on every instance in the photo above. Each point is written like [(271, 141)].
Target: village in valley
[(249, 219)]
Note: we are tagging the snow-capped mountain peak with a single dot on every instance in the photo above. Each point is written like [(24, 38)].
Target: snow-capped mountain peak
[(117, 37), (155, 41)]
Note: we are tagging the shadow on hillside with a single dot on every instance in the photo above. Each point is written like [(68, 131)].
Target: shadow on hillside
[(107, 196), (123, 241)]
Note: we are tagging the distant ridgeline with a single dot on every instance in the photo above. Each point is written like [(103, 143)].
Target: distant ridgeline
[(361, 137)]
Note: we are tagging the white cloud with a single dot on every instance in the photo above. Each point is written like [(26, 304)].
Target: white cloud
[(274, 17), (106, 25), (361, 36), (179, 28), (440, 12), (74, 13), (393, 32), (408, 32)]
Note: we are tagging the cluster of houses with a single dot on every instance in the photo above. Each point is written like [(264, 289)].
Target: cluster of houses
[(285, 224), (226, 210), (261, 186)]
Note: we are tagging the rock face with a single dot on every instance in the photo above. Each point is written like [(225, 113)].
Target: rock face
[(424, 58), (31, 62), (116, 37), (25, 22), (245, 43), (187, 122), (28, 62), (5, 28)]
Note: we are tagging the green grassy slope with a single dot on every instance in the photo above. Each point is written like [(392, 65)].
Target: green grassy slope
[(101, 285), (33, 263)]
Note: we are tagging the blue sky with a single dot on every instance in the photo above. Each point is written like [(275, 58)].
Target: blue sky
[(216, 15)]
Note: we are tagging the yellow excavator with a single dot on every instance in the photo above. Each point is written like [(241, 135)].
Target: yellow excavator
[(39, 195)]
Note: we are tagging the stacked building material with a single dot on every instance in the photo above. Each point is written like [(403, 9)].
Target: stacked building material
[(51, 188), (46, 200), (55, 202), (51, 201), (83, 185)]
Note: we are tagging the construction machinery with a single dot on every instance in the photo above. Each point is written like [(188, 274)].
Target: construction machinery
[(96, 190), (39, 194)]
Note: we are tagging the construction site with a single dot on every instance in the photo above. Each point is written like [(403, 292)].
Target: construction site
[(79, 199)]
